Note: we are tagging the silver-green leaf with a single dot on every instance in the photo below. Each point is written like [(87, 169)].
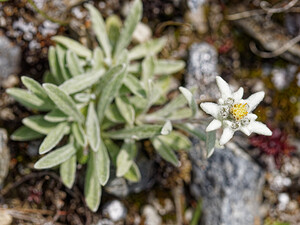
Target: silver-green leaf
[(165, 151), (148, 48), (133, 174), (167, 128), (63, 101), (137, 133), (110, 91), (73, 64), (92, 188), (103, 164), (68, 171), (56, 157), (53, 138), (125, 157), (35, 87), (193, 130), (190, 99), (99, 29), (210, 143), (25, 134), (79, 134), (93, 128), (130, 24), (56, 116), (134, 85), (39, 124), (29, 100), (81, 82), (167, 67), (126, 109), (73, 45)]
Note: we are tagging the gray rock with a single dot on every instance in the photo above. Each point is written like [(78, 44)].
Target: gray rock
[(117, 186), (120, 187), (115, 210), (104, 222), (195, 4), (147, 175), (10, 58), (202, 70), (230, 185), (4, 156), (151, 215)]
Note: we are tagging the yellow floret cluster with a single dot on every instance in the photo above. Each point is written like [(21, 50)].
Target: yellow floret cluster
[(239, 111)]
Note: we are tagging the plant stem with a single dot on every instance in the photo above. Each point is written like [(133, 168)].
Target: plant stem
[(45, 15)]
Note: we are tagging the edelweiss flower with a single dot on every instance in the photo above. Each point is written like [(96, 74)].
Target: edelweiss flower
[(233, 113)]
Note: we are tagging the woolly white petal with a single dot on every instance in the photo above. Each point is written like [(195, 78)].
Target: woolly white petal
[(224, 88), (245, 130), (252, 116), (254, 100), (260, 128), (210, 108), (238, 94), (214, 125), (226, 136)]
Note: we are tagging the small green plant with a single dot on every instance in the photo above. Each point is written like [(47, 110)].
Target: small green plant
[(98, 104)]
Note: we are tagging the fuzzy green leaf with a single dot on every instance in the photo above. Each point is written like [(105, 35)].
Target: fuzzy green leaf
[(53, 138), (210, 143), (92, 188), (93, 128), (190, 99), (39, 124), (133, 174), (168, 67), (176, 141), (126, 109), (125, 157), (81, 82), (99, 29), (147, 70), (25, 134), (167, 128), (63, 101), (54, 65), (29, 100), (110, 91), (56, 157), (113, 26), (112, 149), (112, 113), (181, 114), (79, 134), (82, 97), (103, 164), (55, 116), (48, 78), (134, 68), (134, 85), (165, 151), (137, 133), (73, 64), (35, 87), (130, 24), (98, 59), (68, 171), (61, 53), (193, 130), (148, 48), (171, 107), (73, 45)]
